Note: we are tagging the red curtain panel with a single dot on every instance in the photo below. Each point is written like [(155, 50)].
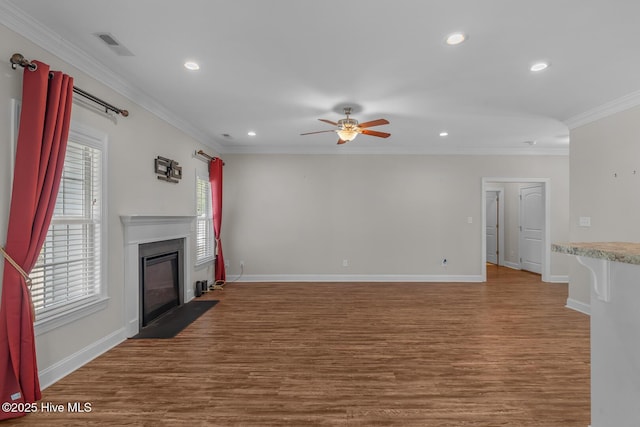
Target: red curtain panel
[(42, 142), (215, 178)]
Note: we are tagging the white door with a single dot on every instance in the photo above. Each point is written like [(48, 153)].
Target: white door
[(491, 226), (531, 228)]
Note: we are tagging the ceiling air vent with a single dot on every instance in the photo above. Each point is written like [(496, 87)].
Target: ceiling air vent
[(114, 44)]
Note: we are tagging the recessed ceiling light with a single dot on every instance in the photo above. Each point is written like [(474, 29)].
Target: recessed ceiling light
[(444, 133), (251, 133), (456, 38), (190, 65), (539, 66)]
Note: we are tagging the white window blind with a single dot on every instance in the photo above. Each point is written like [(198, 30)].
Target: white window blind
[(67, 273), (204, 225)]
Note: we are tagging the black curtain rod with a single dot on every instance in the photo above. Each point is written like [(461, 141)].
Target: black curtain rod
[(19, 60)]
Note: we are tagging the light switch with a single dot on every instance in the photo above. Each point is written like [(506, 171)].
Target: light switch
[(584, 221)]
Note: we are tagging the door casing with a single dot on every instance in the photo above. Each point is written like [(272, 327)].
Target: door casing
[(487, 183)]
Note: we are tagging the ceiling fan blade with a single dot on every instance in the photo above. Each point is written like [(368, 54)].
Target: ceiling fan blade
[(375, 133), (342, 141), (374, 123), (320, 131), (328, 121)]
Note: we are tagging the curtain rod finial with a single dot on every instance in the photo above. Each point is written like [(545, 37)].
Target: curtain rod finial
[(19, 59), (16, 58)]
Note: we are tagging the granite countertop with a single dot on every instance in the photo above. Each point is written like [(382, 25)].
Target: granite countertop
[(626, 252)]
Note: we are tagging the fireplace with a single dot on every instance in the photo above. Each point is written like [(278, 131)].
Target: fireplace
[(161, 273), (140, 230)]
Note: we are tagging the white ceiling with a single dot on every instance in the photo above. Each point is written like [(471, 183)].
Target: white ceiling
[(275, 67)]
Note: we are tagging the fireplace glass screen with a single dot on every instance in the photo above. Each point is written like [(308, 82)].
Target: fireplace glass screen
[(160, 285)]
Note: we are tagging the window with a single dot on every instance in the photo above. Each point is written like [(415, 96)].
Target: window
[(204, 227), (68, 275)]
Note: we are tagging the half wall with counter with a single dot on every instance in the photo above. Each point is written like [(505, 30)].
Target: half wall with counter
[(615, 329)]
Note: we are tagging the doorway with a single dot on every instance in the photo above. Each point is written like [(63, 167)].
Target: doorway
[(494, 225), (539, 226)]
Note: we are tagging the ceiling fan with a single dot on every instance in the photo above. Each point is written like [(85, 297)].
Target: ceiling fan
[(349, 128)]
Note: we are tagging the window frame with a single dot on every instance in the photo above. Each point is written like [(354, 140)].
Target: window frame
[(68, 313), (200, 176)]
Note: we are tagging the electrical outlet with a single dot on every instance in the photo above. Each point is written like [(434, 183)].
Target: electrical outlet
[(241, 264), (226, 263), (345, 263), (444, 262)]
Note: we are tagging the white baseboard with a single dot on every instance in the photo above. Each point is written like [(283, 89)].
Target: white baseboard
[(559, 279), (61, 369), (386, 278), (578, 306), (513, 265)]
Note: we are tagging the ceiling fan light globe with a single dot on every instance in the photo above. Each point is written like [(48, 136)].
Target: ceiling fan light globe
[(347, 134)]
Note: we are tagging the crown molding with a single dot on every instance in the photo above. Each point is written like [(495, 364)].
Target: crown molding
[(390, 149), (19, 22), (617, 105)]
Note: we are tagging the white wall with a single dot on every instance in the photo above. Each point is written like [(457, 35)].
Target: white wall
[(599, 151), (292, 217), (133, 144)]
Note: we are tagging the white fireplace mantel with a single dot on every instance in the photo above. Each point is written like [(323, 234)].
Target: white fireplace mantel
[(139, 229)]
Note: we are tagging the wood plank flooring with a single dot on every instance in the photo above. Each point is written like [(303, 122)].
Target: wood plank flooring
[(503, 353)]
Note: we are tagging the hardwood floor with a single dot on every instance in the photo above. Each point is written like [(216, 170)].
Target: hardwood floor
[(503, 353)]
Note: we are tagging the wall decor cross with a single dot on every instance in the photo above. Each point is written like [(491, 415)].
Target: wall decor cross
[(168, 170)]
